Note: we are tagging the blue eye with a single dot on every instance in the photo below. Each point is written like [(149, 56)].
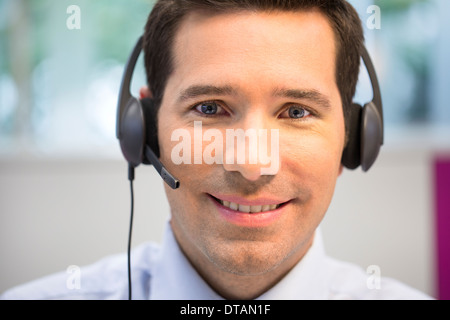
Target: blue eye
[(209, 108), (296, 112)]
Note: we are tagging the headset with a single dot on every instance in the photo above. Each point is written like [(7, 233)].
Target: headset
[(137, 133)]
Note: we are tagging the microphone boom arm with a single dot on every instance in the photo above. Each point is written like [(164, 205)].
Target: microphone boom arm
[(173, 182)]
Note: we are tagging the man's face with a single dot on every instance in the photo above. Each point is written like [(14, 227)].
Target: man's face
[(260, 71)]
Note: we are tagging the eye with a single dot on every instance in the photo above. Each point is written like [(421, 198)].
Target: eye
[(209, 108), (295, 112)]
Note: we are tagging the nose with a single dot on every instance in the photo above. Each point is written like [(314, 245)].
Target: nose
[(250, 172), (250, 148)]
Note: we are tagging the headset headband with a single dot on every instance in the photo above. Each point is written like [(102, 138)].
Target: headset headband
[(375, 85), (125, 86)]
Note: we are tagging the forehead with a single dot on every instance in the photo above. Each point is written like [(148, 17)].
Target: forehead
[(295, 47)]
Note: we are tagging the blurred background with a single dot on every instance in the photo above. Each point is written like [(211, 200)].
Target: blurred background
[(64, 197)]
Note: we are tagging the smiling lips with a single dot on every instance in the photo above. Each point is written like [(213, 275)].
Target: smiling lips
[(247, 207), (259, 213)]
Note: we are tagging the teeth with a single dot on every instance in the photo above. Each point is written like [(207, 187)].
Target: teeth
[(243, 208), (256, 208), (249, 209)]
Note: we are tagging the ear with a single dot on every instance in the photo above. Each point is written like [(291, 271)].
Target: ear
[(145, 92)]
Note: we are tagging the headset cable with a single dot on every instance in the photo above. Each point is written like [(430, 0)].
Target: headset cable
[(131, 179)]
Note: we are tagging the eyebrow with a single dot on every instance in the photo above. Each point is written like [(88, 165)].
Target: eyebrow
[(204, 90), (311, 95)]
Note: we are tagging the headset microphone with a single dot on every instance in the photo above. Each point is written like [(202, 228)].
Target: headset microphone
[(167, 177)]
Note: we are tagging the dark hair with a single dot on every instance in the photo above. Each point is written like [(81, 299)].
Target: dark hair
[(167, 15)]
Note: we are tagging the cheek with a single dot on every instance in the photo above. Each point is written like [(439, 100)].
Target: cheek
[(314, 159), (313, 166), (192, 176)]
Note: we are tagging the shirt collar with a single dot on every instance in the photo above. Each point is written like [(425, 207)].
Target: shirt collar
[(174, 278)]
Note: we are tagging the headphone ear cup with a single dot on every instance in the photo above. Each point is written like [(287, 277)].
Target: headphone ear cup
[(151, 129), (371, 135), (351, 156), (132, 128)]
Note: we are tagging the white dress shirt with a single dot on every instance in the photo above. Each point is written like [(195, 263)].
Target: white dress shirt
[(163, 272)]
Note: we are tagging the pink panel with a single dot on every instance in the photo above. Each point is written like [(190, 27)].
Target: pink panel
[(442, 198)]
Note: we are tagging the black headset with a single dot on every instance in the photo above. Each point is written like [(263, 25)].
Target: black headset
[(137, 132)]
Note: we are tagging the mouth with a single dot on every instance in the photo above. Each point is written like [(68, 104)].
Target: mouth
[(259, 213), (248, 207)]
